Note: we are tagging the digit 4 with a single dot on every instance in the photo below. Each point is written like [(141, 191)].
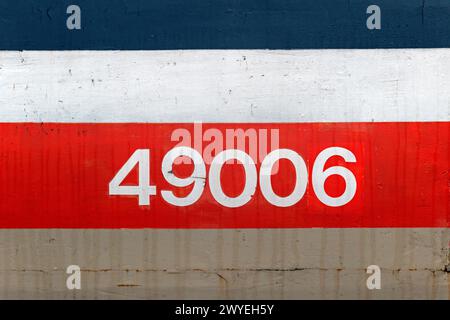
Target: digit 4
[(143, 190)]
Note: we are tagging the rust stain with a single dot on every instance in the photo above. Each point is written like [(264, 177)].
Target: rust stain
[(127, 285), (447, 269), (222, 278)]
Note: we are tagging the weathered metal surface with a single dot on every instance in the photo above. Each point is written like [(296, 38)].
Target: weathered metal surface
[(225, 86), (225, 264), (57, 176), (223, 24), (350, 86)]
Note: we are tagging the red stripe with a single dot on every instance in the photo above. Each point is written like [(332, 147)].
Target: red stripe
[(56, 175)]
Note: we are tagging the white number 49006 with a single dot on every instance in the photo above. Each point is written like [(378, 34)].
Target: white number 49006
[(198, 177)]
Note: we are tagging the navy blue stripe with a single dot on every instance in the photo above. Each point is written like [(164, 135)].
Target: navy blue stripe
[(223, 24)]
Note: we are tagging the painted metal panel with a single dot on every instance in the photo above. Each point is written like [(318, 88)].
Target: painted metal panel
[(62, 112), (225, 86), (223, 24), (58, 176), (224, 263)]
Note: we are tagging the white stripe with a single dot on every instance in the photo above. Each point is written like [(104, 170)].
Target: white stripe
[(225, 86)]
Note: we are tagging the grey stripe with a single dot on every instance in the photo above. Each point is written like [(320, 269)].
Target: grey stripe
[(230, 264)]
